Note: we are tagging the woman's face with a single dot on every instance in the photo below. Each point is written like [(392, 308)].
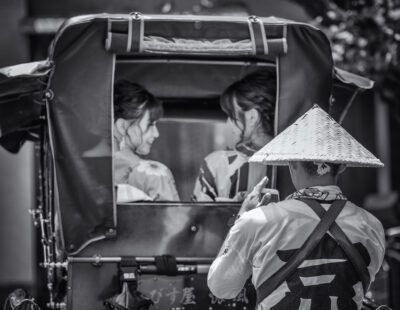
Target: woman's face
[(142, 134), (242, 128), (235, 129)]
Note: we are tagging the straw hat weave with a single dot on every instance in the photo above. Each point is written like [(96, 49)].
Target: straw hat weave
[(316, 137)]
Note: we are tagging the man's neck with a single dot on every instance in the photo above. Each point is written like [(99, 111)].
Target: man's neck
[(318, 181)]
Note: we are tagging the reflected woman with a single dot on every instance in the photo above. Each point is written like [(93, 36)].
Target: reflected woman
[(136, 113), (250, 107)]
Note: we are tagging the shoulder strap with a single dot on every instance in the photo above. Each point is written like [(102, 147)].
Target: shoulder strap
[(349, 249), (266, 288)]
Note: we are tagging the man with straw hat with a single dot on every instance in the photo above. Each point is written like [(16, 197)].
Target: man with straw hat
[(316, 249)]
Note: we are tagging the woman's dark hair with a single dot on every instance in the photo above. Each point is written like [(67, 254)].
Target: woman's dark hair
[(255, 91), (131, 102)]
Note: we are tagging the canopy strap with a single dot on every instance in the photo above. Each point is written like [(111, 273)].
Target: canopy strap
[(128, 271), (135, 33), (166, 264), (125, 36), (344, 242), (258, 36)]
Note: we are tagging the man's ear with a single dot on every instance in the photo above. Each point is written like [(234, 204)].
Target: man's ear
[(294, 165), (290, 166), (342, 168)]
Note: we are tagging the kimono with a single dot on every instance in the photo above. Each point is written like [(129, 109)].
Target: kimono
[(224, 174), (153, 180), (263, 239)]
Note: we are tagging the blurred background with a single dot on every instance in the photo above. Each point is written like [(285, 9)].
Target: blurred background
[(365, 36)]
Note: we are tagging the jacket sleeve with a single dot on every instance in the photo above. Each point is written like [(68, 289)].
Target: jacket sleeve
[(232, 267)]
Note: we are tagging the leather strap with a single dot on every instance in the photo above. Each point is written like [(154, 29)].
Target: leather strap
[(128, 271), (258, 36), (266, 288), (166, 264), (349, 249)]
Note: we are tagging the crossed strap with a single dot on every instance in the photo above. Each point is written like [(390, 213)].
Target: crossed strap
[(351, 252), (327, 223)]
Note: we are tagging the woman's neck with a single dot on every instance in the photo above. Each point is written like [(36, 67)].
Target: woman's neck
[(260, 138)]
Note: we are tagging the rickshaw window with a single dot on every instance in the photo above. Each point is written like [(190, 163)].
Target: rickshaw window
[(193, 124)]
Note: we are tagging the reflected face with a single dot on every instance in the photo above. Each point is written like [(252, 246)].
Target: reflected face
[(142, 134)]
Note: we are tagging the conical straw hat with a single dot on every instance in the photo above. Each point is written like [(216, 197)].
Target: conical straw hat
[(316, 137)]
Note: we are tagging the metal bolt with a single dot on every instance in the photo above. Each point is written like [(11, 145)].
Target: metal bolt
[(253, 19), (49, 94), (136, 15), (97, 257)]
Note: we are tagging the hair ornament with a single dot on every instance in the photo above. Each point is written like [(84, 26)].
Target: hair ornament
[(322, 169)]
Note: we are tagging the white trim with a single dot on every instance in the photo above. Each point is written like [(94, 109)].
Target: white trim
[(322, 261), (253, 42), (141, 35), (108, 41), (129, 42), (114, 199), (285, 44), (109, 35), (55, 183), (317, 280), (276, 120), (201, 62), (264, 37)]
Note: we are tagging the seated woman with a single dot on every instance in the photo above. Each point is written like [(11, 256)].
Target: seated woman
[(250, 107), (136, 112)]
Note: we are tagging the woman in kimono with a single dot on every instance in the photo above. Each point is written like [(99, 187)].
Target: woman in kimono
[(136, 113), (250, 106)]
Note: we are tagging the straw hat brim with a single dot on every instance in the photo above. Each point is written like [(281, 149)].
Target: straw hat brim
[(282, 160), (315, 137)]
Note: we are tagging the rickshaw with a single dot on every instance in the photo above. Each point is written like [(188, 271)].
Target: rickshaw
[(66, 104)]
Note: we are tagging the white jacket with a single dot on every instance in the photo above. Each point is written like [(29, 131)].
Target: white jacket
[(261, 240)]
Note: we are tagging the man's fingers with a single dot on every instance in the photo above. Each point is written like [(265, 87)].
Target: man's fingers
[(265, 199), (240, 196), (261, 184), (253, 198)]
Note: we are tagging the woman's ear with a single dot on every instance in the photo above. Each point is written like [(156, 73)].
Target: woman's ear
[(252, 117), (121, 126)]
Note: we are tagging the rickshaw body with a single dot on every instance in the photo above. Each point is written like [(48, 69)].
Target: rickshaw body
[(187, 61)]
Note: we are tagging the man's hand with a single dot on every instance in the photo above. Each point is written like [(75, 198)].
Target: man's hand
[(239, 197), (253, 200)]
